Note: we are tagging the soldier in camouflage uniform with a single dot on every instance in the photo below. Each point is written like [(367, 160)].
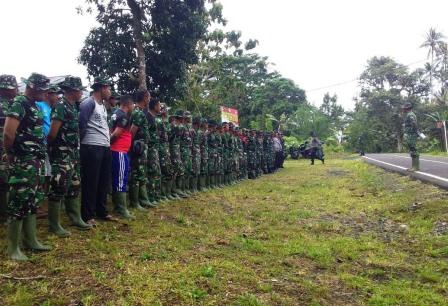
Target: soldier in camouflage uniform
[(186, 150), (220, 171), (8, 91), (204, 179), (24, 144), (411, 133), (138, 193), (154, 172), (166, 166), (252, 159), (260, 149), (241, 173), (63, 140), (175, 138), (195, 133), (236, 155), (212, 153)]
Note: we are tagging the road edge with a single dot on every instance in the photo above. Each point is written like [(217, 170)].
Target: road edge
[(418, 175)]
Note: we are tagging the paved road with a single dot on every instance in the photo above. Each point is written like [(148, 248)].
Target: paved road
[(433, 170)]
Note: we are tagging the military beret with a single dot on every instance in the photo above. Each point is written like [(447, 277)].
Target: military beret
[(37, 81), (8, 81)]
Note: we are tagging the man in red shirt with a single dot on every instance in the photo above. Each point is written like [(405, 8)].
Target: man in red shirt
[(120, 143)]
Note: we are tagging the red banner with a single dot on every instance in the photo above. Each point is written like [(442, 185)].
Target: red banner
[(229, 115)]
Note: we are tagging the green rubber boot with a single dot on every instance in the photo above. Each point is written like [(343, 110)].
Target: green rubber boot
[(178, 187), (54, 218), (73, 210), (415, 163), (186, 185), (133, 198), (30, 237), (120, 207), (143, 197), (14, 236), (172, 195)]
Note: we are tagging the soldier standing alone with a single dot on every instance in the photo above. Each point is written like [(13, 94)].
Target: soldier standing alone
[(411, 135)]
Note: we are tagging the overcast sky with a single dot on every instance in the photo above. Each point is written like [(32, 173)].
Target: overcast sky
[(315, 43)]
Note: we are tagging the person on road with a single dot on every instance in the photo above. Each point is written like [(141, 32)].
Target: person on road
[(411, 135)]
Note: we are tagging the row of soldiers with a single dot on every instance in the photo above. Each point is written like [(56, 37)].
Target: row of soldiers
[(185, 155), (171, 157)]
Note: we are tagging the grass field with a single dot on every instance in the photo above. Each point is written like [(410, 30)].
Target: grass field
[(344, 233)]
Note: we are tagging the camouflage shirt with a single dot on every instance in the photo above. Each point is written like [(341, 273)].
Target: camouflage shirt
[(30, 138), (4, 104), (138, 118), (153, 140), (67, 139), (410, 124)]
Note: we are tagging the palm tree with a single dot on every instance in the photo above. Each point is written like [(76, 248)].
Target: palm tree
[(432, 43)]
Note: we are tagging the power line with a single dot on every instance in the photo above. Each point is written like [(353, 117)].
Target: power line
[(357, 79)]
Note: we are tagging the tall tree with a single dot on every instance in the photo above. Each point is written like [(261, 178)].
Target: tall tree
[(145, 43), (432, 43)]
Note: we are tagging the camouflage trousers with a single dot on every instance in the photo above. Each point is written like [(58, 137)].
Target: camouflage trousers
[(204, 164), (26, 187), (187, 162), (139, 170), (219, 164), (166, 166), (212, 163), (154, 172), (411, 143), (196, 161), (65, 178)]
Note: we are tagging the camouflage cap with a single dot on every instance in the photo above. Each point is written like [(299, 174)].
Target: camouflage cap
[(101, 80), (204, 121), (114, 95), (72, 82), (179, 113), (37, 81), (8, 81), (187, 114), (407, 105), (54, 89)]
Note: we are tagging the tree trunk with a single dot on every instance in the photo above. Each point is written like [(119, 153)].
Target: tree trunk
[(137, 17)]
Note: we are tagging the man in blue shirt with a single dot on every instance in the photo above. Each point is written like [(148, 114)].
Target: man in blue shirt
[(45, 107)]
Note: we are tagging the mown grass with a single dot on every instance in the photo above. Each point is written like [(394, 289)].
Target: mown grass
[(335, 234)]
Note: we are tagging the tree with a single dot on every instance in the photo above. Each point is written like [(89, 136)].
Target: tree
[(143, 43), (432, 43), (333, 111), (385, 86)]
